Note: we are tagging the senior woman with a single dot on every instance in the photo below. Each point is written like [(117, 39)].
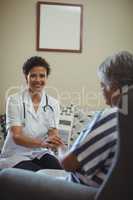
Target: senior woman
[(92, 154), (32, 119)]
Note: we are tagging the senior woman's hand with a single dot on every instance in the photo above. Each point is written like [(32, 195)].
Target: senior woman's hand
[(53, 131)]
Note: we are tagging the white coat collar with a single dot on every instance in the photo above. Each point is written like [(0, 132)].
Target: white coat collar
[(26, 98)]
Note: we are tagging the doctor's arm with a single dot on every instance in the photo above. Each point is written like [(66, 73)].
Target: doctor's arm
[(21, 139), (53, 130), (15, 124)]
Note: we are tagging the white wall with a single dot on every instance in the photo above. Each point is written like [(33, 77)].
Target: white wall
[(107, 29)]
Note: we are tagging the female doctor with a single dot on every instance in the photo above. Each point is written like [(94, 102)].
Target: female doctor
[(32, 122)]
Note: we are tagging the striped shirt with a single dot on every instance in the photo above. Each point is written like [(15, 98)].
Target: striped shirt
[(95, 149)]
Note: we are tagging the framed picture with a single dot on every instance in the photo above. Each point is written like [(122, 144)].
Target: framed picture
[(59, 27)]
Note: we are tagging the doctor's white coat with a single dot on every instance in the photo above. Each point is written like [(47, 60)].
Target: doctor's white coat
[(35, 125)]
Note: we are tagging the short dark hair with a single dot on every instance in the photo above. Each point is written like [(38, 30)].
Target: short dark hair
[(118, 68), (34, 62)]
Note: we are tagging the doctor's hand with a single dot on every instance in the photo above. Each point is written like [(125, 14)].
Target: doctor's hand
[(55, 141), (46, 144)]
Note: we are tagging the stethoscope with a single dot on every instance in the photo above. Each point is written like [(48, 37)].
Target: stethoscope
[(46, 108)]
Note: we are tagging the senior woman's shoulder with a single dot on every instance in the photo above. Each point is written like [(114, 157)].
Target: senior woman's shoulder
[(109, 112)]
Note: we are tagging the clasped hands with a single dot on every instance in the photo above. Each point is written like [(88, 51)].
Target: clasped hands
[(53, 141)]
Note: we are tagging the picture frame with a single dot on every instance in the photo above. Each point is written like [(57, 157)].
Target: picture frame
[(59, 27)]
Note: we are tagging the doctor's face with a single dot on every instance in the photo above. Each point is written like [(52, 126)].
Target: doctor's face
[(36, 79)]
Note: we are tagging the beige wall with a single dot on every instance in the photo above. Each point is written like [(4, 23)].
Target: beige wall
[(107, 29)]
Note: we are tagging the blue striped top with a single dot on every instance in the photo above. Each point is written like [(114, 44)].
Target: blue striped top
[(95, 149)]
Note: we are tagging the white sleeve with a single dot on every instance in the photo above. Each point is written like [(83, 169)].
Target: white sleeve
[(13, 112), (56, 114)]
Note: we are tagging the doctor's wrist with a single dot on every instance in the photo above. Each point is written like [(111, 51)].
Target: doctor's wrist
[(44, 144)]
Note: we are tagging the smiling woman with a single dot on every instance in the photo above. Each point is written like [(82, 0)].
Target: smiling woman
[(36, 80), (32, 130)]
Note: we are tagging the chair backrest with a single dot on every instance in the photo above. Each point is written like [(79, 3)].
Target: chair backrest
[(3, 125), (119, 184)]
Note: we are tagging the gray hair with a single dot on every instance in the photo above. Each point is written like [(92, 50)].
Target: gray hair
[(118, 69)]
